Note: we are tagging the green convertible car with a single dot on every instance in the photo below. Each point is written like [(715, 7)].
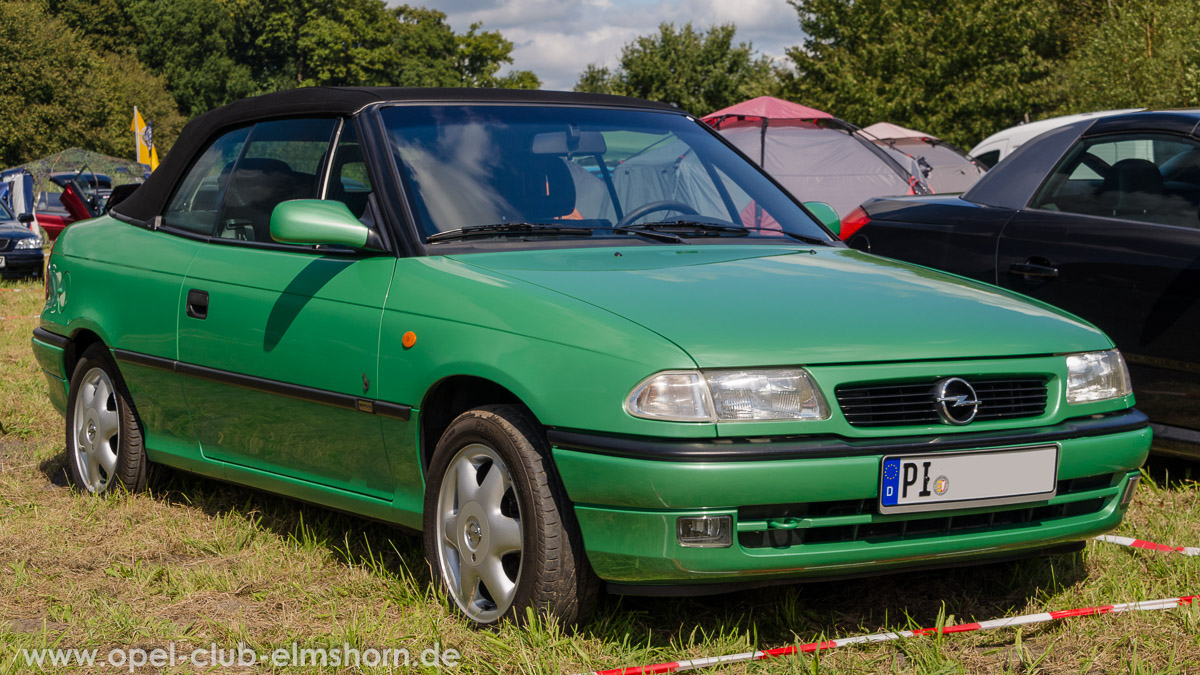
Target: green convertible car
[(576, 340)]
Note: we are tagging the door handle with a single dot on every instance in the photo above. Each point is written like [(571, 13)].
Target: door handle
[(197, 304), (1032, 270)]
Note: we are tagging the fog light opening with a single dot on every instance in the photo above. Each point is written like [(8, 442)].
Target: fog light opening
[(1130, 489), (705, 531)]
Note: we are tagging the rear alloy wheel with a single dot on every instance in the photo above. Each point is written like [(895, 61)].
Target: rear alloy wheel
[(104, 440), (500, 536)]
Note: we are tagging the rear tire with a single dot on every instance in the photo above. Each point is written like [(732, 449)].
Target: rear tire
[(105, 450), (500, 534)]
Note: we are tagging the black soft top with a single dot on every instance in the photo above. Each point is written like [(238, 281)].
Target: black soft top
[(148, 200)]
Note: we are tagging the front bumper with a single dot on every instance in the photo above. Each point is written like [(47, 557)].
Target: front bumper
[(627, 506), (24, 262)]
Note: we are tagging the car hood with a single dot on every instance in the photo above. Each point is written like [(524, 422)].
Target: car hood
[(12, 229), (730, 306)]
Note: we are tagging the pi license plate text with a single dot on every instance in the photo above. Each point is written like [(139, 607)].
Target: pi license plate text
[(961, 480)]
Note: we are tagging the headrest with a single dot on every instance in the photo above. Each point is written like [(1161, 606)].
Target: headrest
[(263, 164), (547, 189), (1132, 186)]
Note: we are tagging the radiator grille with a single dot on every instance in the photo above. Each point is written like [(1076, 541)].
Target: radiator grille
[(889, 404)]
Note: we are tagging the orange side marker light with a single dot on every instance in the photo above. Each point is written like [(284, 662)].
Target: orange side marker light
[(408, 339)]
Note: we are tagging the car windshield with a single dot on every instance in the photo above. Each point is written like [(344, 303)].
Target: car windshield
[(560, 172)]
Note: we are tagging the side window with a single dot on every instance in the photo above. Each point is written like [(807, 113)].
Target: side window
[(282, 161), (989, 158), (1152, 178), (197, 200), (348, 179)]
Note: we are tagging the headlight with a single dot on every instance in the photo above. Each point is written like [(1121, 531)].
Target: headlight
[(1096, 376), (29, 242), (728, 396)]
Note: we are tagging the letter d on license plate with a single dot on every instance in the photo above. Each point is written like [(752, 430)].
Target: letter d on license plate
[(963, 480)]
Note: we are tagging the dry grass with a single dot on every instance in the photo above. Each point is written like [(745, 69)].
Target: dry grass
[(198, 561)]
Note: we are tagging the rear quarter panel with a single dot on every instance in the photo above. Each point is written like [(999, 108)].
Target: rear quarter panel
[(123, 283), (945, 233)]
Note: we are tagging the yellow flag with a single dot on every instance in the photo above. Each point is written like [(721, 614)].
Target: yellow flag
[(144, 140)]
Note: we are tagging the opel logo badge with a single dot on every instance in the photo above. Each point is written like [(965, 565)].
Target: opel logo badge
[(956, 401)]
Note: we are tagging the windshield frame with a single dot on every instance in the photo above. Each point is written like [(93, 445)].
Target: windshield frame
[(415, 236)]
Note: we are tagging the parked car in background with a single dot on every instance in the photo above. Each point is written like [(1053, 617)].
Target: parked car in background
[(815, 155), (1001, 144), (944, 168), (424, 306), (20, 248), (1100, 218), (94, 187), (84, 195)]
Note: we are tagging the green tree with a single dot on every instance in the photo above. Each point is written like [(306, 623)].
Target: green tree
[(59, 92), (365, 43), (699, 71), (960, 70), (1143, 54)]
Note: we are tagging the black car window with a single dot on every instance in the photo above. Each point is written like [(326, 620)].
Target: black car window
[(348, 179), (197, 200), (989, 158), (1153, 178), (282, 160)]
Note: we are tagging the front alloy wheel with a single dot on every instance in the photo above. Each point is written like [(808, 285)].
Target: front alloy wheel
[(479, 533), (500, 534)]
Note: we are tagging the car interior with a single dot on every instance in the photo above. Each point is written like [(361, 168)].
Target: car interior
[(1159, 183)]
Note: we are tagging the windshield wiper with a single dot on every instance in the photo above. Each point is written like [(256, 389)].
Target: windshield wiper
[(686, 227), (650, 234), (507, 229)]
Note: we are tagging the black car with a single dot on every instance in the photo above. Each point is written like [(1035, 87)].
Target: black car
[(20, 248), (1101, 218)]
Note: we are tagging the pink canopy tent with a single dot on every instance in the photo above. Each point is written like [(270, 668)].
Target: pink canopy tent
[(944, 167), (887, 130), (815, 155), (769, 107)]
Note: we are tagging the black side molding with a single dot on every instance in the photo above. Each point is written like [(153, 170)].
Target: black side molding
[(296, 391), (813, 447), (52, 339)]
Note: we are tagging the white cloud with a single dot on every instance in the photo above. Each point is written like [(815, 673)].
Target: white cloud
[(557, 39)]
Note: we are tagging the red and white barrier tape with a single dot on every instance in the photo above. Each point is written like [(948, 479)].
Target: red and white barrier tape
[(1041, 617), (1147, 545)]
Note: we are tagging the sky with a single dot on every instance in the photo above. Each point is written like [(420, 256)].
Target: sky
[(557, 39)]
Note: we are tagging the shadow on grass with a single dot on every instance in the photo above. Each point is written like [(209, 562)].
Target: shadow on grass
[(776, 615), (350, 539), (1172, 472), (779, 615), (55, 469)]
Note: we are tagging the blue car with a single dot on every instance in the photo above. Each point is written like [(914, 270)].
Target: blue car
[(20, 248)]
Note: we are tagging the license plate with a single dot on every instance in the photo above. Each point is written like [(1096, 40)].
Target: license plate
[(959, 480), (1, 261)]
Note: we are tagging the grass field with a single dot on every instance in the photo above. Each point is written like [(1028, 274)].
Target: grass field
[(197, 562)]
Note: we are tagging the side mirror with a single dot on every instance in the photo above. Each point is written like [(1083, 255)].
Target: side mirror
[(26, 218), (318, 221), (826, 215)]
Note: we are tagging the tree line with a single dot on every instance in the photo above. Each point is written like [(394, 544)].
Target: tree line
[(960, 69), (72, 70)]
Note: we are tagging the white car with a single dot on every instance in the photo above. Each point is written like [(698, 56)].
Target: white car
[(1000, 144)]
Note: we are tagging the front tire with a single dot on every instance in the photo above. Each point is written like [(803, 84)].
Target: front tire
[(500, 535), (105, 451)]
